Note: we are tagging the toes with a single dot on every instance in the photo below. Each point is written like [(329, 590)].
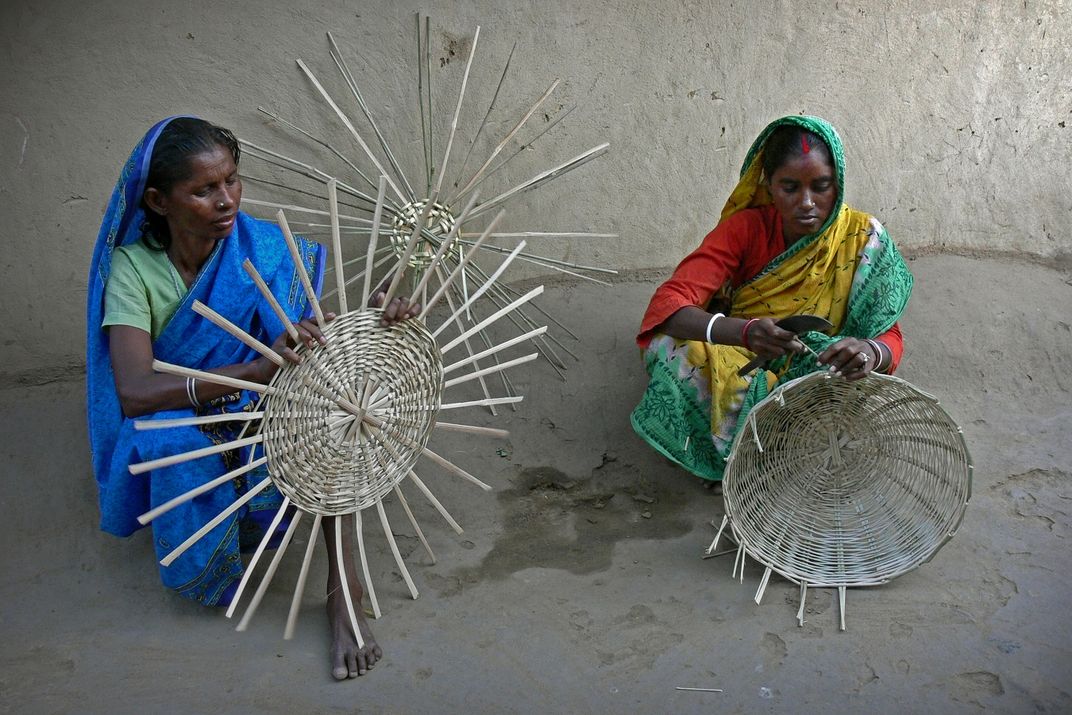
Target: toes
[(362, 663), (339, 672), (351, 663)]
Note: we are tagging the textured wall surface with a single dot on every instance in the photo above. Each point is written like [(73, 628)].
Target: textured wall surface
[(957, 116)]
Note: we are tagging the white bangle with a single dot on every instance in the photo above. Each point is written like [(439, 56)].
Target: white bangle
[(191, 391), (879, 354), (711, 322)]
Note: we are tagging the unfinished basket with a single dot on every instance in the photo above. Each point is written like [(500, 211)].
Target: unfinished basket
[(834, 483), (320, 454)]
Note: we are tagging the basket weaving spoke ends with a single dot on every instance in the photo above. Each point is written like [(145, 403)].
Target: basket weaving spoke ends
[(418, 223), (837, 484)]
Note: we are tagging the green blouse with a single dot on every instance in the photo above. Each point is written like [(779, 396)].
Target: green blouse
[(143, 289)]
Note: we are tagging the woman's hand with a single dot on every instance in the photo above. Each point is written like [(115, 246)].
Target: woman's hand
[(766, 339), (851, 358), (400, 308), (309, 334)]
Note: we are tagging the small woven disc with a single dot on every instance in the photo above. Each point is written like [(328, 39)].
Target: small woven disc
[(319, 455), (838, 483)]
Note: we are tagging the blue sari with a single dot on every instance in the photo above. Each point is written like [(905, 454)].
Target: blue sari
[(210, 569)]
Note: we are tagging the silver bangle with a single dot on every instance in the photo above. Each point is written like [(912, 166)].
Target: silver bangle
[(877, 347), (191, 391), (711, 322)]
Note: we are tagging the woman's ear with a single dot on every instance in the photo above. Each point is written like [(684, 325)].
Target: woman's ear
[(155, 200)]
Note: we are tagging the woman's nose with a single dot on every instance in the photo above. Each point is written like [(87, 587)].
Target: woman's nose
[(807, 199)]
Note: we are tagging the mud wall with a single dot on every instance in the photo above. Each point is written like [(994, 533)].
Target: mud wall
[(957, 117)]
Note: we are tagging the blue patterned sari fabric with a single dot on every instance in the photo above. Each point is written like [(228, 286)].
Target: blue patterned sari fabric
[(209, 571)]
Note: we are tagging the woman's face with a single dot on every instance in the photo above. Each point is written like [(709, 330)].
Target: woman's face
[(804, 190), (204, 205)]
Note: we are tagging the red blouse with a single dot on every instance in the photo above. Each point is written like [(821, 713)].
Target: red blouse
[(735, 251)]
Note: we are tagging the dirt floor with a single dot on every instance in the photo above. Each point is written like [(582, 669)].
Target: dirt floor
[(578, 584)]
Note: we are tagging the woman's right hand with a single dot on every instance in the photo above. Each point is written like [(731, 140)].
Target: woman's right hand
[(766, 339), (309, 334)]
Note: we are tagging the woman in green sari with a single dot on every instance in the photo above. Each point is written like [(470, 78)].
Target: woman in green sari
[(786, 244)]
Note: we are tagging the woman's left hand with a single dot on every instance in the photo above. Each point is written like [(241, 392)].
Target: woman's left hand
[(400, 308), (850, 358)]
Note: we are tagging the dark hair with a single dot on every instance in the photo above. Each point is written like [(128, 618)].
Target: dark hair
[(180, 140), (785, 143)]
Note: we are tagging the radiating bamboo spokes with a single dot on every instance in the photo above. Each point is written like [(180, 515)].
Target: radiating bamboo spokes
[(265, 540), (216, 521), (350, 127), (269, 573), (303, 575), (336, 55), (506, 140), (542, 178)]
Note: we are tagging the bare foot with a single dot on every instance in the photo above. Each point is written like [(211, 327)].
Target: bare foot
[(347, 659)]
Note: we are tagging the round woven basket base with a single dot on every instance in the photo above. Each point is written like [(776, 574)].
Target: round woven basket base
[(838, 483), (440, 222), (319, 454)]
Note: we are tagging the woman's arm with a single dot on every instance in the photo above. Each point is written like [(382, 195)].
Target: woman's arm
[(142, 390), (763, 337)]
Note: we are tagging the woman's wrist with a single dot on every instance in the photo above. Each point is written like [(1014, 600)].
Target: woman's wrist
[(882, 355)]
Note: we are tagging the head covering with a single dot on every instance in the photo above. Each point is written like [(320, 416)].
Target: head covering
[(752, 190)]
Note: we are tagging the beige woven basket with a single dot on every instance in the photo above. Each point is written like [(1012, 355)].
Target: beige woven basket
[(834, 483), (321, 456)]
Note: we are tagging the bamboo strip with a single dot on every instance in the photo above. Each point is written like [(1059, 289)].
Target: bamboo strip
[(506, 140), (542, 178), (301, 192), (444, 285), (269, 573), (420, 102), (394, 549), (481, 403), (389, 255), (299, 265), (841, 605), (247, 573), (538, 290), (522, 147), (490, 370), (457, 111), (303, 575), (300, 209), (441, 461), (171, 460), (142, 425), (763, 585), (484, 121), (473, 429), (344, 583), (201, 489), (482, 290), (416, 526), (533, 258), (546, 234), (468, 347), (491, 351), (336, 243), (321, 142), (216, 521), (237, 332), (353, 132), (359, 532), (366, 290), (344, 69), (435, 503)]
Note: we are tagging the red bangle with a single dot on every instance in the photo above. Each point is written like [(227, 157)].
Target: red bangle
[(744, 332)]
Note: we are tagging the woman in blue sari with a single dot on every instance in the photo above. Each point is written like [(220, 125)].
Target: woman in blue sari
[(173, 234)]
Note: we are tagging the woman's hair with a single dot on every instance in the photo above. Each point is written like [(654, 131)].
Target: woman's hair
[(181, 139), (788, 142)]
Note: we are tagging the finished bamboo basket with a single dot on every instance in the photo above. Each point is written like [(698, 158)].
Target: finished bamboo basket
[(832, 483)]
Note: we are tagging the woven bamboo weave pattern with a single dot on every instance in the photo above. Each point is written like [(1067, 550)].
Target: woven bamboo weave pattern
[(838, 483), (321, 456)]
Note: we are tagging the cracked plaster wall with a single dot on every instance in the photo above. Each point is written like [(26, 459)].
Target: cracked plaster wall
[(957, 116)]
